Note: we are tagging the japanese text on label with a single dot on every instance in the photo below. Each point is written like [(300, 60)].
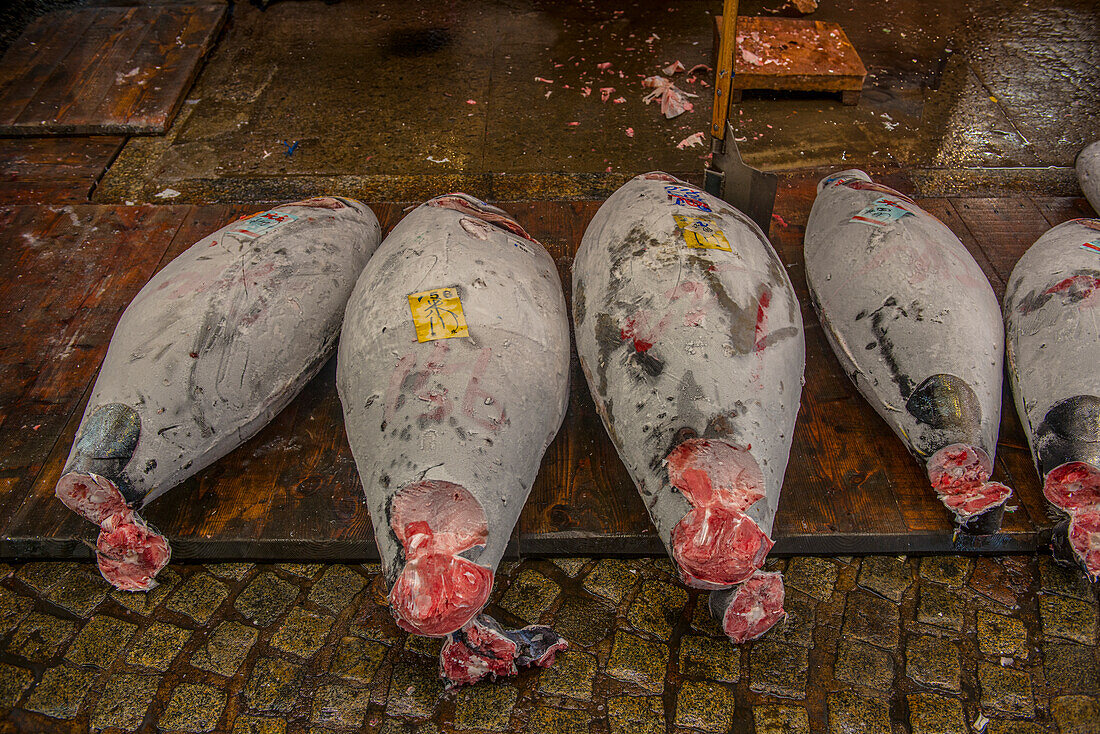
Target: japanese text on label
[(264, 222), (683, 196), (702, 233), (437, 314)]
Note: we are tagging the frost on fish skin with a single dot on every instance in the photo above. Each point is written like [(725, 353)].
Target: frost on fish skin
[(1052, 342)]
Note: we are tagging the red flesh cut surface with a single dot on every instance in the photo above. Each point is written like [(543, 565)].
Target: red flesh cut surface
[(755, 608), (484, 649), (716, 544), (1075, 488), (129, 552), (959, 476), (438, 591)]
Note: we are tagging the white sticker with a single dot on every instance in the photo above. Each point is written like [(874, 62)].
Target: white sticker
[(885, 210), (257, 224)]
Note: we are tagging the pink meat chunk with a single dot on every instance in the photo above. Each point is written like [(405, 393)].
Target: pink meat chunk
[(464, 205), (756, 607), (483, 649), (130, 554), (438, 591), (716, 545), (960, 477), (90, 495), (1074, 487)]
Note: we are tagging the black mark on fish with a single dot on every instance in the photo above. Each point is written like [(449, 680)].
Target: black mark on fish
[(880, 319)]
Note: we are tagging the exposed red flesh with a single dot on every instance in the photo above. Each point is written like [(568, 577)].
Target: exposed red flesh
[(1084, 537), (130, 553), (658, 176), (716, 544), (484, 649), (959, 475), (438, 591), (462, 204), (90, 495), (1074, 487), (755, 608)]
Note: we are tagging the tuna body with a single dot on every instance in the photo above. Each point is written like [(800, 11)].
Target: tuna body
[(691, 339), (210, 349), (1052, 328), (916, 326), (453, 376), (1088, 173)]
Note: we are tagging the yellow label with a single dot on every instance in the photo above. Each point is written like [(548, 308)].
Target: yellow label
[(437, 314), (701, 233)]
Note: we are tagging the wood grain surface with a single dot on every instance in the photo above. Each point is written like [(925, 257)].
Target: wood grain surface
[(292, 492), (104, 69)]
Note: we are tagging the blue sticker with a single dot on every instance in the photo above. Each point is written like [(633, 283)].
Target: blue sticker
[(882, 211), (264, 222), (683, 196)]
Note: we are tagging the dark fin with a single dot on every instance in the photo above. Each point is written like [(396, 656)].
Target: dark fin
[(1061, 549), (105, 446), (1070, 431), (947, 403)]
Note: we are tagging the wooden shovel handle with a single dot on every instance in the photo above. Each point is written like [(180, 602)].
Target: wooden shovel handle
[(723, 75)]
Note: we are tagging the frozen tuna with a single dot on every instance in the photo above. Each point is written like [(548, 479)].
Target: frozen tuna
[(916, 326), (453, 373), (690, 336), (1052, 325), (1088, 173), (212, 347)]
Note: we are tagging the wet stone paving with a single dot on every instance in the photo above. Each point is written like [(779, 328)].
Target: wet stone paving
[(876, 644)]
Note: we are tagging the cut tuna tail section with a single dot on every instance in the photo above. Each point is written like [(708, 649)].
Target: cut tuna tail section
[(750, 609), (129, 552), (438, 590), (960, 477), (716, 544), (484, 649), (1074, 488)]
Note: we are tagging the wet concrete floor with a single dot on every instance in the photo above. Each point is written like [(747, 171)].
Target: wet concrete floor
[(400, 100)]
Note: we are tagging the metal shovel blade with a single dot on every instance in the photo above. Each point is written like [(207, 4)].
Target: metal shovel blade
[(747, 189)]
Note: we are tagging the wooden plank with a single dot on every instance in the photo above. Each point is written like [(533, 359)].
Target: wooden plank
[(33, 57), (1058, 209), (54, 170), (68, 80), (293, 491), (1002, 227), (163, 94), (107, 69)]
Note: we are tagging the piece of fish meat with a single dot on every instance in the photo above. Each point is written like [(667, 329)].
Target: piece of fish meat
[(453, 373), (1088, 173), (917, 327), (1052, 329), (690, 336), (207, 353)]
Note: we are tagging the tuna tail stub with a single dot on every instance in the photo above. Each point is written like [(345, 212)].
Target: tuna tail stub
[(1074, 488), (716, 544), (484, 649), (749, 610), (438, 590), (960, 477)]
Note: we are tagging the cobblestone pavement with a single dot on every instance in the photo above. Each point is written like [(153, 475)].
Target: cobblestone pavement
[(878, 644)]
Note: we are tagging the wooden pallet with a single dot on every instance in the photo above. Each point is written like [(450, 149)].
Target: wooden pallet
[(54, 170), (103, 70), (793, 54), (292, 492)]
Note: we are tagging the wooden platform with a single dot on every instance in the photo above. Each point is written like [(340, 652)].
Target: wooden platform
[(793, 54), (104, 69), (293, 492)]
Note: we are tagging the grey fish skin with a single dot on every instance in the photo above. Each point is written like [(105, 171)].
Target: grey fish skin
[(448, 433), (1052, 328), (210, 349), (916, 326), (1088, 173), (694, 356)]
